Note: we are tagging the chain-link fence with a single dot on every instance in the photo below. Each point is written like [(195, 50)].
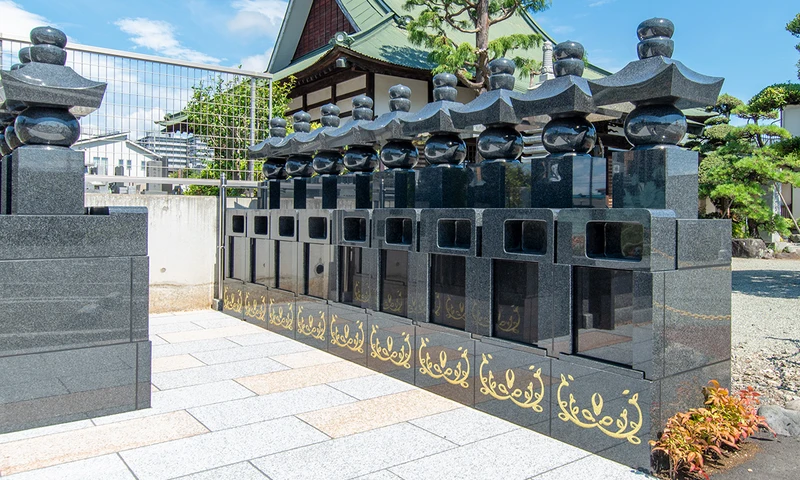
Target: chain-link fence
[(163, 117)]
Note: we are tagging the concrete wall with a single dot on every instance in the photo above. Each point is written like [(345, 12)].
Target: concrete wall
[(181, 244)]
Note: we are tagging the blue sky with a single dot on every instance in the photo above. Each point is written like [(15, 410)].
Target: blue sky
[(745, 43)]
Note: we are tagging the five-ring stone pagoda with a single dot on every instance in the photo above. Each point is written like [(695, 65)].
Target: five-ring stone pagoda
[(74, 309)]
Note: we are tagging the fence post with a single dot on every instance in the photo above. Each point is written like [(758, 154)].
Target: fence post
[(223, 197), (270, 98), (250, 161)]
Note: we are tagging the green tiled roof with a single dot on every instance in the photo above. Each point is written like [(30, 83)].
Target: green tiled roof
[(364, 13)]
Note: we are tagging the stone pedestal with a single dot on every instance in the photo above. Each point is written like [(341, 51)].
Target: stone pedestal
[(396, 188), (442, 186), (500, 184), (46, 180), (569, 180)]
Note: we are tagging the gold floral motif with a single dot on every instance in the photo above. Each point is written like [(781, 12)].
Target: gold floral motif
[(277, 318), (307, 327), (358, 295), (626, 429), (255, 309), (232, 302), (355, 344), (415, 308), (393, 305), (506, 391), (511, 324), (475, 313), (401, 357), (455, 376), (454, 313), (437, 305)]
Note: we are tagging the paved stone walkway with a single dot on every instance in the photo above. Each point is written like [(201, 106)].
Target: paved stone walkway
[(233, 401)]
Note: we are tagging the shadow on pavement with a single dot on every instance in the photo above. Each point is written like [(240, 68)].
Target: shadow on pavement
[(767, 283)]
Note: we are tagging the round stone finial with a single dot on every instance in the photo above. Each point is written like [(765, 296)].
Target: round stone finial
[(445, 150), (330, 115), (399, 98), (12, 140), (655, 37), (47, 126), (48, 36), (568, 59), (444, 87), (4, 148), (399, 154), (327, 162), (25, 55), (651, 125), (362, 108), (277, 127), (502, 74), (274, 170), (360, 158), (500, 143), (569, 135), (301, 122)]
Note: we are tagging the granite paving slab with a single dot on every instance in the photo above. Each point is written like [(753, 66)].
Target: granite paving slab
[(175, 362), (307, 359), (251, 352), (371, 386), (171, 349), (463, 426), (237, 471), (303, 377), (213, 373), (104, 467), (587, 468)]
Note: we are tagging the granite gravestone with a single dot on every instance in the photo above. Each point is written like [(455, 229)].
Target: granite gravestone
[(591, 325), (75, 280)]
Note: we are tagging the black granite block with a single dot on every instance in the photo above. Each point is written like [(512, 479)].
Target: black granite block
[(299, 187), (312, 322), (479, 301), (140, 298), (289, 258), (626, 239), (391, 346), (418, 286), (396, 228), (604, 410), (263, 262), (446, 363), (697, 318), (394, 280), (281, 315), (569, 181), (56, 387), (442, 187), (513, 383), (319, 271), (616, 316), (656, 178), (448, 291), (257, 223), (255, 304), (519, 234), (455, 231), (555, 306), (107, 232), (5, 185), (274, 194), (236, 222), (363, 189), (144, 354), (395, 188), (46, 180), (359, 270), (354, 228), (238, 252), (703, 243), (515, 302), (324, 187), (685, 390), (500, 184), (45, 307), (316, 226), (348, 333), (233, 298), (283, 225)]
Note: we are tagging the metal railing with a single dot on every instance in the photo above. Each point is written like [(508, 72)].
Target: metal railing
[(196, 120)]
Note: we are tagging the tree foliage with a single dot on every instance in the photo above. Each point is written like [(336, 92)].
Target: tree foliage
[(440, 23), (793, 27), (219, 112), (740, 165)]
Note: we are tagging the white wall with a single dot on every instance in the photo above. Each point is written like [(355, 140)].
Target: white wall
[(182, 233), (790, 120)]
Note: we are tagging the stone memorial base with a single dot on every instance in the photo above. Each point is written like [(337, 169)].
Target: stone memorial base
[(74, 341)]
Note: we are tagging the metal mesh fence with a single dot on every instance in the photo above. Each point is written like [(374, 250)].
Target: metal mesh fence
[(162, 117)]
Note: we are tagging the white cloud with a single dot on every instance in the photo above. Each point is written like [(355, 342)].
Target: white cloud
[(258, 62), (159, 36), (600, 3), (257, 17), (18, 21), (562, 29)]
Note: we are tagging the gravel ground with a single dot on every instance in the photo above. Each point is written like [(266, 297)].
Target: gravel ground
[(765, 347)]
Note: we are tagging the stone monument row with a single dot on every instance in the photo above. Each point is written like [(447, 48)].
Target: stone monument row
[(74, 313), (505, 286)]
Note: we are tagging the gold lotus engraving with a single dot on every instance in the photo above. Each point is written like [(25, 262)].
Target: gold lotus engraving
[(527, 398), (278, 318), (232, 302), (478, 316), (455, 376), (255, 309), (453, 312), (308, 327), (343, 339), (625, 429), (510, 324), (358, 295), (401, 357), (393, 305)]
